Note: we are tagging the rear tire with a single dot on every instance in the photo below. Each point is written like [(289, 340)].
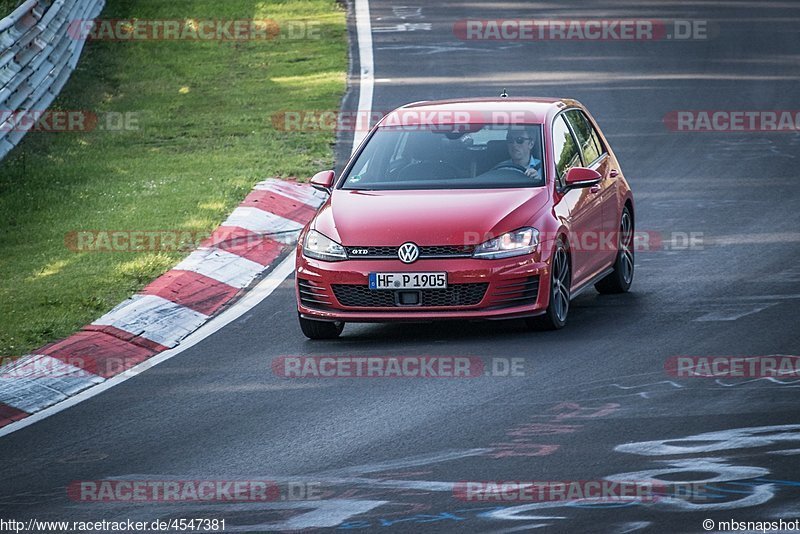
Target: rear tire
[(320, 329), (555, 317), (620, 279)]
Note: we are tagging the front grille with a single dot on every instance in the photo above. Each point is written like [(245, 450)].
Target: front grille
[(516, 292), (425, 252), (313, 295), (372, 252), (446, 250), (455, 295), (363, 297), (360, 296)]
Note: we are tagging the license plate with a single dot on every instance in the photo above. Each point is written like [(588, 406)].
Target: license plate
[(407, 280)]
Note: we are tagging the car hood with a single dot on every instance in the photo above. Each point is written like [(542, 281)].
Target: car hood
[(430, 217)]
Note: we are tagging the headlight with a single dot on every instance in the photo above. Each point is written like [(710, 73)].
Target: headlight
[(516, 243), (323, 248)]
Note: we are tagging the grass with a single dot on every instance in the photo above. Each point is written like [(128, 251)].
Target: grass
[(7, 6), (204, 137)]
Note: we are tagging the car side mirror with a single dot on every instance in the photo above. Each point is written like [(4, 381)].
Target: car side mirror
[(578, 177), (323, 181)]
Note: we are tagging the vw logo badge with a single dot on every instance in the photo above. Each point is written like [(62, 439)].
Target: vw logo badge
[(408, 253)]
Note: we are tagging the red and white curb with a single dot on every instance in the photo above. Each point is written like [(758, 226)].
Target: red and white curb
[(249, 242)]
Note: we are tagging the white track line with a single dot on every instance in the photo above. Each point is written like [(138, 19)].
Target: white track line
[(365, 58), (244, 305)]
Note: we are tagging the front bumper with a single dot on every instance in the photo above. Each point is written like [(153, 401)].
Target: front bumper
[(514, 287)]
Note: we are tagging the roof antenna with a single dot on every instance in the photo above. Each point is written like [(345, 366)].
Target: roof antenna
[(504, 94)]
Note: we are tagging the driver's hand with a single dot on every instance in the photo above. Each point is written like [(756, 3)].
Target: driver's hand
[(531, 172)]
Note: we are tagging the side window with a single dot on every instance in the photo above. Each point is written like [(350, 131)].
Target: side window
[(565, 151), (587, 137), (595, 137)]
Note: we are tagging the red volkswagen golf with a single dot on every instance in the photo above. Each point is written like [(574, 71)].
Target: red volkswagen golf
[(468, 209)]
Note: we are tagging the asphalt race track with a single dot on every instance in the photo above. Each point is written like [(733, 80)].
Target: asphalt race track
[(595, 401)]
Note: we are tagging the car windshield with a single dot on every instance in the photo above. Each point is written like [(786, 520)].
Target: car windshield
[(462, 156)]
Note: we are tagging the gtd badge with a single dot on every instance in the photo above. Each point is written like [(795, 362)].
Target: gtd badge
[(359, 251), (408, 253)]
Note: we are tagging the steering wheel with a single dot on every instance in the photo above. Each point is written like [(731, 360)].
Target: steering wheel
[(513, 166)]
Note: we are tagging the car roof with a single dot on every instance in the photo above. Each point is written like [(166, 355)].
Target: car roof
[(533, 110)]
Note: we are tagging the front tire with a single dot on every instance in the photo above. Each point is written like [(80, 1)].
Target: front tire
[(555, 317), (320, 329), (620, 279)]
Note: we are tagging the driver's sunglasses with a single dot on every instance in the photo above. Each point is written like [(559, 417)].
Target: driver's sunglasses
[(518, 140)]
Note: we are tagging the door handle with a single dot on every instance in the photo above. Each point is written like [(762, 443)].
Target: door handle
[(594, 189), (614, 173)]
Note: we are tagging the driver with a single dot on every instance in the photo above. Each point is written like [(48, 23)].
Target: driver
[(520, 143)]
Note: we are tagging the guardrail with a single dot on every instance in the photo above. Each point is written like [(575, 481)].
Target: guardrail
[(37, 56)]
